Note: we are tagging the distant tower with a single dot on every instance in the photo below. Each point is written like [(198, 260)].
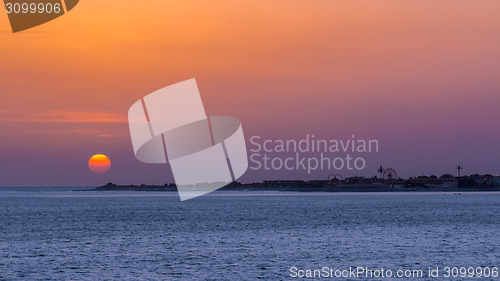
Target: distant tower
[(459, 168)]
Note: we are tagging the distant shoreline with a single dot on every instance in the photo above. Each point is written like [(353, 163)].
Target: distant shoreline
[(299, 187)]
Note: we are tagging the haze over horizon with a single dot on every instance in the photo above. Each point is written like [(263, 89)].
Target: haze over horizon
[(421, 77)]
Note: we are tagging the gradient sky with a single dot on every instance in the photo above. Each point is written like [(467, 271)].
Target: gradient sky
[(421, 76)]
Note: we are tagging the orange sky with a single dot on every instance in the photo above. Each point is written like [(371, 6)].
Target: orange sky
[(380, 69)]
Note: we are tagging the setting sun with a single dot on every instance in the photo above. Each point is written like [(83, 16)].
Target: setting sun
[(99, 164)]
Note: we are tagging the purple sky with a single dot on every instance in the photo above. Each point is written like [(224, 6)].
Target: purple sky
[(421, 77)]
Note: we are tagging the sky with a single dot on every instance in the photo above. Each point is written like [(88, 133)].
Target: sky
[(421, 77)]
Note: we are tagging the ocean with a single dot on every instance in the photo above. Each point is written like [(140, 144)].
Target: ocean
[(62, 234)]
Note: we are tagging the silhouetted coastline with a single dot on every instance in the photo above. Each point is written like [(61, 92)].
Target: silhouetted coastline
[(353, 184)]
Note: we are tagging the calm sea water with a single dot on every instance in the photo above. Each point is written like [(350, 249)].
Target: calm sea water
[(87, 235)]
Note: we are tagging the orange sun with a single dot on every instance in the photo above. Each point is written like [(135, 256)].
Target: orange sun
[(99, 164)]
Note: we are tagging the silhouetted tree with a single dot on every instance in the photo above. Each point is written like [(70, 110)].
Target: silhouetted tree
[(380, 170)]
